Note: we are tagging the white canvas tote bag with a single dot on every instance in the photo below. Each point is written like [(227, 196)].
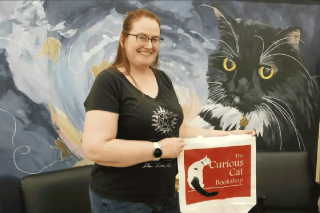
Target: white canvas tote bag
[(218, 174)]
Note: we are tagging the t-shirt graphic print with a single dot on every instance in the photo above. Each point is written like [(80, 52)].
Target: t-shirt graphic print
[(164, 121)]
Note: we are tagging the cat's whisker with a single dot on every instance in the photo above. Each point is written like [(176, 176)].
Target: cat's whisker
[(304, 148), (235, 37), (228, 54), (224, 43), (279, 107), (275, 42), (269, 141), (265, 54), (260, 109), (276, 119), (270, 97), (272, 120), (218, 84), (262, 43), (257, 109), (224, 102), (214, 87), (293, 125), (213, 97), (219, 56), (214, 82), (276, 99), (231, 100), (288, 118), (290, 38), (295, 60), (275, 122), (223, 96), (282, 111), (215, 92)]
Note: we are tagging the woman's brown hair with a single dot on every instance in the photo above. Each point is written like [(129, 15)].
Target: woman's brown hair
[(121, 57)]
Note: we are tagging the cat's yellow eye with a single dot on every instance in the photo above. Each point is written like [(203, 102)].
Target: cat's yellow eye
[(229, 65), (266, 72)]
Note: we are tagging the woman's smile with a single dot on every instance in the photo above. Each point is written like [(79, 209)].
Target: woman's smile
[(144, 53)]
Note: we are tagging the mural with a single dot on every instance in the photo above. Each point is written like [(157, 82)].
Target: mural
[(257, 79), (233, 64)]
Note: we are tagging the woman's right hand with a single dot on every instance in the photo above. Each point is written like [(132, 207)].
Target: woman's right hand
[(171, 147)]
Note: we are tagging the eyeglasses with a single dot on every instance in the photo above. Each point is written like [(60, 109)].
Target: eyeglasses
[(143, 40)]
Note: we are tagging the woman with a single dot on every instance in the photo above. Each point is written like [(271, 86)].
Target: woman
[(134, 126)]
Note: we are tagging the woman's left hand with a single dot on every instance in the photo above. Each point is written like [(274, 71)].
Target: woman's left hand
[(243, 132)]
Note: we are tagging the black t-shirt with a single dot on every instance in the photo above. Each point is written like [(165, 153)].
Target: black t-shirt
[(140, 118)]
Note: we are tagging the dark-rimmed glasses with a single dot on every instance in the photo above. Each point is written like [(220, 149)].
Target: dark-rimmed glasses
[(143, 39)]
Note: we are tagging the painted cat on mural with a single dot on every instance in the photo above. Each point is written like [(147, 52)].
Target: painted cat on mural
[(195, 177), (259, 72)]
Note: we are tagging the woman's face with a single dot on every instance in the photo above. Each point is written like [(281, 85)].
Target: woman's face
[(142, 55)]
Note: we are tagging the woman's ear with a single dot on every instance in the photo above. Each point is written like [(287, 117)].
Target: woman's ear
[(121, 40)]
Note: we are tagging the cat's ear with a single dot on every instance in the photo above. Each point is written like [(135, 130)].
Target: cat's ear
[(292, 35), (225, 21), (227, 25)]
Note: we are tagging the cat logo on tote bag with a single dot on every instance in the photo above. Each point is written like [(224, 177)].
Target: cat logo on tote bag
[(218, 174)]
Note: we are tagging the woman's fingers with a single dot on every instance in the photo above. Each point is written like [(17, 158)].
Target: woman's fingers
[(251, 132)]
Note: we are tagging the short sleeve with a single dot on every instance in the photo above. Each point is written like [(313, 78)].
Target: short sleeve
[(166, 79), (104, 94)]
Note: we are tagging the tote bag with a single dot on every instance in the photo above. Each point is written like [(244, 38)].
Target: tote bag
[(218, 174)]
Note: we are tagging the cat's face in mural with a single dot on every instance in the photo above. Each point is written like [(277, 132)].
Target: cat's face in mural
[(258, 71)]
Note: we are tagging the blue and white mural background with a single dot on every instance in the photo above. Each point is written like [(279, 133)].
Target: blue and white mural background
[(50, 52)]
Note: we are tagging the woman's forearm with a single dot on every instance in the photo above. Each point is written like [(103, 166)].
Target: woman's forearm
[(121, 153)]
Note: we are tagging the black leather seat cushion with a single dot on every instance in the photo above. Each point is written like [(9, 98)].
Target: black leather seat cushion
[(63, 191), (286, 179)]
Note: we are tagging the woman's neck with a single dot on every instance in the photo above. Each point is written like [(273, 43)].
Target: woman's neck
[(141, 70), (138, 71)]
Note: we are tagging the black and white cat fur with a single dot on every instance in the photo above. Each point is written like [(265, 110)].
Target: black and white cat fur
[(259, 71), (195, 177)]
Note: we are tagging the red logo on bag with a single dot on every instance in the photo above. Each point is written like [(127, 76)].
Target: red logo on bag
[(217, 173)]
